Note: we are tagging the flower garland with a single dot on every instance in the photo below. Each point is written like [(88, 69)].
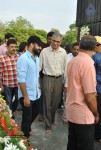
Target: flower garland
[(11, 138), (85, 30)]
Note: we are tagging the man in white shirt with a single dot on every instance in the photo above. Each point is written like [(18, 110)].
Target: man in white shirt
[(52, 62)]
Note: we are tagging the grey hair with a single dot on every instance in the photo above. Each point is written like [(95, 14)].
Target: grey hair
[(88, 42), (57, 34)]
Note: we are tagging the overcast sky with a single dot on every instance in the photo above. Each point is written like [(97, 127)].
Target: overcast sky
[(43, 14)]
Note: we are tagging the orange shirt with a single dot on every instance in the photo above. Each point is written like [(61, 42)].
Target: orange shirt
[(81, 80)]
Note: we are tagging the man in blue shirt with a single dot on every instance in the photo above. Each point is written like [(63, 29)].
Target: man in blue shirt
[(28, 74), (97, 60)]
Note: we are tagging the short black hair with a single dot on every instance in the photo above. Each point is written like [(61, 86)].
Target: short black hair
[(11, 41), (50, 34), (88, 42), (68, 48), (76, 44), (34, 39), (22, 46), (8, 36)]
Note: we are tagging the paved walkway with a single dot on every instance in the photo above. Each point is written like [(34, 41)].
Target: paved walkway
[(56, 141)]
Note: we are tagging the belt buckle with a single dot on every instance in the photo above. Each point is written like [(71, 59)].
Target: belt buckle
[(57, 76)]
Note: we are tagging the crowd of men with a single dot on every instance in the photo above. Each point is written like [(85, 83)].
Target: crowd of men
[(39, 75)]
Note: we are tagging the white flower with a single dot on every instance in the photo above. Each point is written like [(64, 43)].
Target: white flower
[(21, 144), (84, 31), (11, 147), (6, 139), (2, 140)]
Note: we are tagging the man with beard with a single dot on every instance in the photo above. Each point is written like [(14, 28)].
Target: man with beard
[(28, 74)]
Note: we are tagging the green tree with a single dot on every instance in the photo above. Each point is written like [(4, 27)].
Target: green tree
[(20, 22), (71, 36), (55, 30), (22, 29), (2, 30), (41, 34)]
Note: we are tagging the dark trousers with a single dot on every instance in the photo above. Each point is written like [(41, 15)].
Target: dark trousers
[(9, 93), (52, 88), (29, 114), (81, 137), (98, 125), (41, 98)]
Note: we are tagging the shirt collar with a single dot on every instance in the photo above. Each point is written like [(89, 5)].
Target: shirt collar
[(10, 55), (85, 55), (29, 54), (58, 50)]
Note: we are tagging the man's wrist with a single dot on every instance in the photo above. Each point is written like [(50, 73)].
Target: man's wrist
[(26, 97), (96, 114)]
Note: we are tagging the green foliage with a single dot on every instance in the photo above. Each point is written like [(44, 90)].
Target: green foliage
[(2, 29), (1, 147), (20, 22), (42, 35), (55, 30), (2, 133), (21, 29), (71, 36)]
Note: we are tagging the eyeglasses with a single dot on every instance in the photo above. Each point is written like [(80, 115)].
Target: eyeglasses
[(56, 41)]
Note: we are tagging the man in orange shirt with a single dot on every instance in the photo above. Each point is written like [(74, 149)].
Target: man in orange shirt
[(81, 106)]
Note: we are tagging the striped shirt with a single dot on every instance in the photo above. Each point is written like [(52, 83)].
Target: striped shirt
[(8, 72)]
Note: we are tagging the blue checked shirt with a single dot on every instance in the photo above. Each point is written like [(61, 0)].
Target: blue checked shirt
[(28, 72)]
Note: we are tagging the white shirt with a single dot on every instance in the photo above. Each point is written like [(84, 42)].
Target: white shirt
[(53, 62), (69, 58)]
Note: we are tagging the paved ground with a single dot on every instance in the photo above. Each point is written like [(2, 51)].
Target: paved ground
[(56, 141)]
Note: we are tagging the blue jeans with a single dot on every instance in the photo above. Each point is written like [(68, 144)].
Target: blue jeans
[(9, 93)]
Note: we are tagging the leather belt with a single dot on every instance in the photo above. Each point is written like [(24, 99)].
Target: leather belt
[(54, 76)]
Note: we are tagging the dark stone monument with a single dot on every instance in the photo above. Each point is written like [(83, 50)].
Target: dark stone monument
[(89, 13)]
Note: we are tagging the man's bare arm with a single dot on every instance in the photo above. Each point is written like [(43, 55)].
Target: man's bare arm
[(92, 105)]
